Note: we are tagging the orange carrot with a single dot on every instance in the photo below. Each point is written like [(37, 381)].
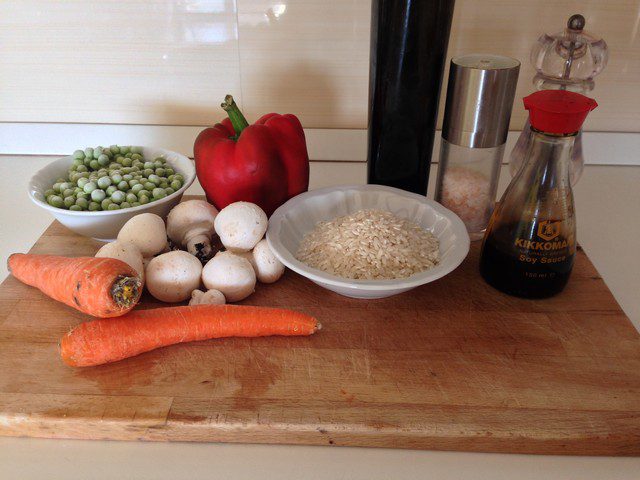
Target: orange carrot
[(104, 341), (102, 287)]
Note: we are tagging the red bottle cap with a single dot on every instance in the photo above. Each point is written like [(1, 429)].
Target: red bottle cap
[(558, 111)]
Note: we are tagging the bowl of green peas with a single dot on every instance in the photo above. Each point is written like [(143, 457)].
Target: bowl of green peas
[(96, 190)]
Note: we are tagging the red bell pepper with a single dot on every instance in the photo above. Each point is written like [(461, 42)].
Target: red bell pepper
[(265, 163)]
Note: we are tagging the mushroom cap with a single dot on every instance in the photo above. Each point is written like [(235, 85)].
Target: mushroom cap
[(125, 251), (146, 231), (190, 218), (241, 225), (231, 274), (172, 276), (268, 268), (210, 297)]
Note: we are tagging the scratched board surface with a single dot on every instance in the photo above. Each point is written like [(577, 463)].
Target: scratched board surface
[(452, 365)]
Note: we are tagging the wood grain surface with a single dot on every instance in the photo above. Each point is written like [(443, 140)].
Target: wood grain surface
[(453, 365)]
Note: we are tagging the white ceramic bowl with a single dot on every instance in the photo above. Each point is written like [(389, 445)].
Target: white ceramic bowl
[(105, 225), (290, 222)]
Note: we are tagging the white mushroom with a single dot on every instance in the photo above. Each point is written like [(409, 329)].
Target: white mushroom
[(241, 225), (171, 277), (210, 297), (146, 231), (190, 226), (125, 251), (268, 268), (231, 274), (249, 256)]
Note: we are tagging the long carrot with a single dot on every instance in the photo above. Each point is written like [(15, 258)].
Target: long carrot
[(102, 287), (104, 341)]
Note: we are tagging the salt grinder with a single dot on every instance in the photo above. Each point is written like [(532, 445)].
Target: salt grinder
[(480, 97)]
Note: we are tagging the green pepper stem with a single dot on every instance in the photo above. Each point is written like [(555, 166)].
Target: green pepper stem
[(235, 115)]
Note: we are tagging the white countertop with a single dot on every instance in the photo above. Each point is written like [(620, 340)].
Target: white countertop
[(607, 201)]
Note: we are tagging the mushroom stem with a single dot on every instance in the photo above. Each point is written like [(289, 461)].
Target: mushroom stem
[(200, 246)]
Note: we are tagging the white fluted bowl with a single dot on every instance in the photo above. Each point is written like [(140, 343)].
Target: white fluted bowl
[(289, 224), (105, 225)]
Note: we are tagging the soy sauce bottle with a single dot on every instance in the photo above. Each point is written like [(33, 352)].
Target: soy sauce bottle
[(530, 243)]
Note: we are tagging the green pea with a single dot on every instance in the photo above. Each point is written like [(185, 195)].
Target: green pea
[(176, 185), (114, 165), (94, 164), (127, 171), (104, 182), (136, 149), (131, 197), (76, 208), (98, 196), (143, 199), (56, 187), (148, 165), (137, 187), (118, 197), (169, 191), (111, 190), (125, 205), (105, 203), (86, 196), (127, 176), (136, 156), (179, 177), (163, 184), (103, 175), (64, 185), (56, 201), (160, 172), (123, 185), (93, 206), (127, 162), (128, 155), (158, 193), (133, 182), (149, 186), (89, 187), (113, 206), (83, 203), (155, 179), (60, 180), (169, 171), (68, 201), (84, 175), (88, 152), (116, 178), (104, 160), (107, 152), (124, 150), (143, 193), (78, 154), (115, 149), (81, 168), (87, 161), (69, 192), (78, 161), (147, 171), (159, 163), (135, 204), (49, 192)]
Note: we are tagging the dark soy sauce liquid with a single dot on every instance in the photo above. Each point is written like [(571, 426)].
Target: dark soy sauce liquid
[(501, 267)]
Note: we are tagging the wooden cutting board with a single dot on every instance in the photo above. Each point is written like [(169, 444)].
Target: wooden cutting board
[(453, 365)]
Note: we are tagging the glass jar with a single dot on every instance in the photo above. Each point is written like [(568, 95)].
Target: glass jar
[(467, 183)]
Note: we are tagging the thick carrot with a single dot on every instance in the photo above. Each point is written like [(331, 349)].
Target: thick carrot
[(104, 341), (102, 287)]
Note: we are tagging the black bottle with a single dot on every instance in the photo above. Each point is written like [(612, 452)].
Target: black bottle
[(408, 47)]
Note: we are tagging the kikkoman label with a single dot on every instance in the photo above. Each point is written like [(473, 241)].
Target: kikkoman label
[(549, 247)]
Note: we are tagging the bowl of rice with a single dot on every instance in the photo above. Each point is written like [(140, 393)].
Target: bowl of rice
[(367, 241)]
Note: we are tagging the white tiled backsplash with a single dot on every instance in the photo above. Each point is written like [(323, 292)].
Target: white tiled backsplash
[(170, 62)]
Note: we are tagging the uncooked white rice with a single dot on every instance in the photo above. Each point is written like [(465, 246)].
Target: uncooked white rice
[(369, 245)]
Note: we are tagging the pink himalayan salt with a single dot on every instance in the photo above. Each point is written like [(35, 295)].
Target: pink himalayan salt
[(466, 193)]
